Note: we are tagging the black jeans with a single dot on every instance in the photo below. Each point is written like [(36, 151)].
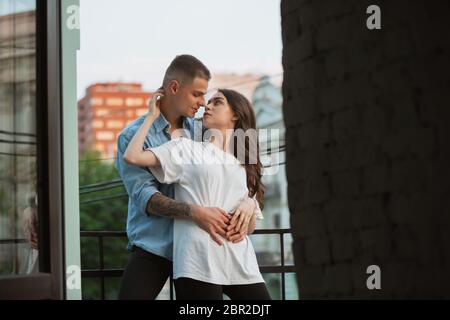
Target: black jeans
[(190, 289), (144, 276)]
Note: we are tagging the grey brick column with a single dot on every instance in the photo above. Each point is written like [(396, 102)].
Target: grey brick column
[(368, 125)]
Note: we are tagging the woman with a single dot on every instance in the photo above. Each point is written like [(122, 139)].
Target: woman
[(209, 174)]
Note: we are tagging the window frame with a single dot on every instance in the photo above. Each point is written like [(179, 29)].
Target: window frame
[(49, 282)]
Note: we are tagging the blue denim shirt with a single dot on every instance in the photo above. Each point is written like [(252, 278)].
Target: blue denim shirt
[(147, 231)]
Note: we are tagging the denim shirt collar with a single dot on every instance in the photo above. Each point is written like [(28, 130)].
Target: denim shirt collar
[(161, 123)]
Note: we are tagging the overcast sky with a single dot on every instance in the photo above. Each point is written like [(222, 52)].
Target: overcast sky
[(135, 40)]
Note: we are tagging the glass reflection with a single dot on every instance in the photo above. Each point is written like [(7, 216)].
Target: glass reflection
[(18, 168)]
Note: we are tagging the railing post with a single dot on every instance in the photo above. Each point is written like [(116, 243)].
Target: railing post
[(171, 287), (283, 280), (102, 266)]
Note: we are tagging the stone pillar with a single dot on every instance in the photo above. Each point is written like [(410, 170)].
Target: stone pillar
[(367, 114)]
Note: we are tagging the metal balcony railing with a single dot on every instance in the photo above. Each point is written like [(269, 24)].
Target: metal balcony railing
[(103, 272)]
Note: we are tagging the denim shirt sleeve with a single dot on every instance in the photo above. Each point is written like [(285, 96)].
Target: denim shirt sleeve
[(140, 184)]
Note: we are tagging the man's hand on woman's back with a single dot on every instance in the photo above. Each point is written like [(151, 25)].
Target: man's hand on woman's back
[(215, 221)]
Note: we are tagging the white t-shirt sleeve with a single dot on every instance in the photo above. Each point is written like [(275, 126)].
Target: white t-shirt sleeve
[(170, 157)]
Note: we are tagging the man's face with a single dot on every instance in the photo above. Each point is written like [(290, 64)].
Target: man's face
[(191, 96)]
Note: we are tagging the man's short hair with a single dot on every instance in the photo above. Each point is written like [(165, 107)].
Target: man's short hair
[(185, 68)]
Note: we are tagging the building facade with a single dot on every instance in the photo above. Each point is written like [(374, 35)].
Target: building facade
[(267, 103), (105, 110), (244, 83)]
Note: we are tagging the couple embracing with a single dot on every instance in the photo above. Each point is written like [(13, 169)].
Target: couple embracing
[(192, 201)]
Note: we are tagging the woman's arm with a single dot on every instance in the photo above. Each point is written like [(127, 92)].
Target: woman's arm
[(135, 153)]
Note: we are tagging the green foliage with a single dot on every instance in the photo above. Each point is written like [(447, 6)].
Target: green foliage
[(109, 213)]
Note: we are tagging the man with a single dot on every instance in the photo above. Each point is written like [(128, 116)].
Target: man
[(151, 207)]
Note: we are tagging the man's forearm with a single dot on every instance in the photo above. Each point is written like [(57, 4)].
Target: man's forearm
[(163, 206)]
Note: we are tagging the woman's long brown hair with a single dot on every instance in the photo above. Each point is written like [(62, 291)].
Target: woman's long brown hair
[(243, 110)]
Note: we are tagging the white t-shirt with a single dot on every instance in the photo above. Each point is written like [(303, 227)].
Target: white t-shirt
[(206, 175)]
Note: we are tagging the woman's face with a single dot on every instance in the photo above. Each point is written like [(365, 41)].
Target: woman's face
[(218, 113)]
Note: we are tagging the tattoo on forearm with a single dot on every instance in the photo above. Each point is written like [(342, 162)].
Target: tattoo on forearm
[(163, 206)]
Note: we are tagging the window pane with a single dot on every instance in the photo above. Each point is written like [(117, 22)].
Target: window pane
[(18, 167), (267, 249), (273, 283)]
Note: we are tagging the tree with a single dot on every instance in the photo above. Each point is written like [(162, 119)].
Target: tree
[(102, 207)]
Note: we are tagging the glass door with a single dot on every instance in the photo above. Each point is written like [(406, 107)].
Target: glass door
[(30, 220)]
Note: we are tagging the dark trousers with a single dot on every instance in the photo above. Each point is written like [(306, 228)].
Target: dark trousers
[(190, 289), (144, 276)]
